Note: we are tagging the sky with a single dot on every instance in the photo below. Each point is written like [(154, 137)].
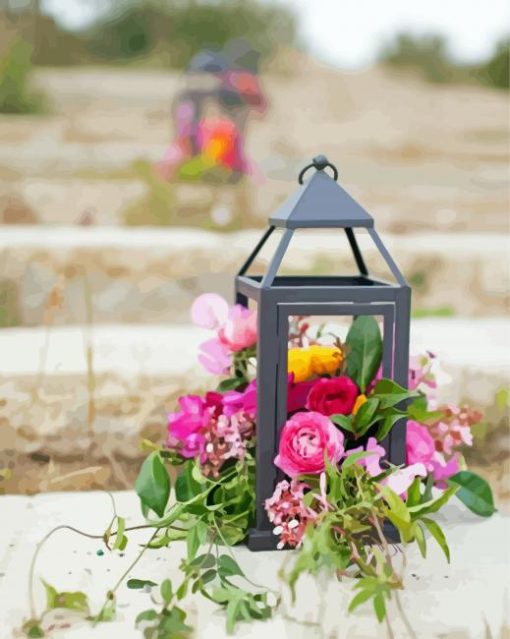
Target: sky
[(348, 33)]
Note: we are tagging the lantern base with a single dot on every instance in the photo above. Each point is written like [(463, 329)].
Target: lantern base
[(262, 540)]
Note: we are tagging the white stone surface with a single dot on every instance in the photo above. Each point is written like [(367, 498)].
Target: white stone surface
[(454, 601)]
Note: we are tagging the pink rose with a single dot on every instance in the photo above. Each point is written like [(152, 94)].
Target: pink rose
[(421, 447), (304, 440), (239, 331), (332, 396)]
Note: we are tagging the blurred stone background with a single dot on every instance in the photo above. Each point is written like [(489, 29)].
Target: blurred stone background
[(100, 258)]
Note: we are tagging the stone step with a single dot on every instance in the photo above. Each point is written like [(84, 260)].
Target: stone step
[(68, 275), (54, 403)]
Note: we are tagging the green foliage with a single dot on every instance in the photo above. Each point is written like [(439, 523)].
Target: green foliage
[(364, 346), (71, 600), (173, 31), (139, 584), (429, 56), (474, 492), (381, 409), (496, 71), (153, 484), (16, 97)]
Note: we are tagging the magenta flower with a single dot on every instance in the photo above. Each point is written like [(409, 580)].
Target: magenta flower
[(304, 440), (241, 401), (421, 447)]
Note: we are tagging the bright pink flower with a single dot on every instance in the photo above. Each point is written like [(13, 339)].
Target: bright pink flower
[(185, 426), (453, 430), (304, 440), (420, 444), (239, 330), (209, 311), (241, 401), (332, 396), (215, 357)]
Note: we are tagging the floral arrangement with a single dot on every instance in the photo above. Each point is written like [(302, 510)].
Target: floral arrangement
[(341, 504)]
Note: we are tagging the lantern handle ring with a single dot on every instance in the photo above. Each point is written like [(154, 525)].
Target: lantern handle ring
[(319, 162)]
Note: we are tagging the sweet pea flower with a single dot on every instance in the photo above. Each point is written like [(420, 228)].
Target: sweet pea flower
[(215, 357), (401, 479), (239, 330), (443, 469), (241, 401), (304, 440), (209, 311)]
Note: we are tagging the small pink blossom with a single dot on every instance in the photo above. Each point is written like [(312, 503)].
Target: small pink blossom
[(287, 511), (443, 469), (241, 401), (305, 438)]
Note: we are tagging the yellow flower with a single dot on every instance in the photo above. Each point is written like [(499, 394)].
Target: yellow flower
[(299, 364), (360, 400), (315, 360), (325, 360)]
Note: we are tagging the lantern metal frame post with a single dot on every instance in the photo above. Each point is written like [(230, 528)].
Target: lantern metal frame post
[(279, 297)]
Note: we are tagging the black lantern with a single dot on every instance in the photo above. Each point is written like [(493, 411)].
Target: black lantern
[(319, 203)]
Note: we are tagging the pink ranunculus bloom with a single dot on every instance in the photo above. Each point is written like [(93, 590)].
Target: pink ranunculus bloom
[(420, 445), (239, 330), (401, 479), (332, 396), (215, 357), (209, 311), (304, 440)]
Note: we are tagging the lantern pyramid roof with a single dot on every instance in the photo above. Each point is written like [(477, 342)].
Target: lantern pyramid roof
[(320, 202)]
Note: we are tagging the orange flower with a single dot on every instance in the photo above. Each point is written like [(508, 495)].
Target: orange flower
[(360, 400)]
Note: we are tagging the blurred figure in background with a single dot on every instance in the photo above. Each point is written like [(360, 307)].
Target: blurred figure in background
[(211, 115)]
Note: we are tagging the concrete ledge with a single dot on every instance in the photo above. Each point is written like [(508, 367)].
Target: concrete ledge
[(459, 600), (151, 275), (54, 404)]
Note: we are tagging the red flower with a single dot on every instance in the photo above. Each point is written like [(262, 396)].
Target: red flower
[(333, 396)]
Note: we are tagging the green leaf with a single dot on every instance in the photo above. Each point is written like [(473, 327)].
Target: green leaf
[(436, 532), (387, 424), (146, 615), (414, 493), (204, 561), (228, 567), (396, 504), (434, 505), (69, 600), (192, 543), (343, 421), (186, 486), (360, 598), (139, 584), (365, 350), (232, 614), (166, 591), (475, 493), (365, 416), (230, 384), (355, 457), (208, 576), (153, 484), (379, 607), (34, 631), (420, 540), (120, 538)]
